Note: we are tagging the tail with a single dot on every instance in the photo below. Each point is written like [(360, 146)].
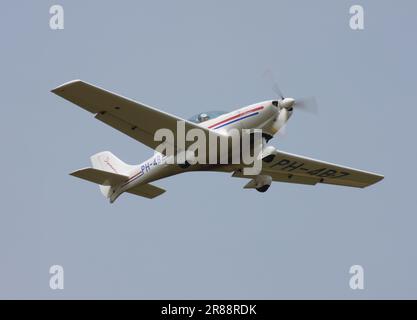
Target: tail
[(110, 172), (107, 161)]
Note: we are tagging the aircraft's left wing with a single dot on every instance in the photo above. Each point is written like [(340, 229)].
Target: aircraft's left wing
[(287, 167), (135, 119)]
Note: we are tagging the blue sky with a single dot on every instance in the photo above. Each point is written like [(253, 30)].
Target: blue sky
[(206, 237)]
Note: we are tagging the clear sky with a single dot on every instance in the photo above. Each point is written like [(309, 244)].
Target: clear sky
[(206, 237)]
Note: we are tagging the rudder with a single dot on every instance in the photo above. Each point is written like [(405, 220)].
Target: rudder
[(107, 161)]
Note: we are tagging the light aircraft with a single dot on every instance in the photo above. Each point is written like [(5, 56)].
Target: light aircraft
[(140, 122)]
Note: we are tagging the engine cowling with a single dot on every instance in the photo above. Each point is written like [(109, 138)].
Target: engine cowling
[(261, 183)]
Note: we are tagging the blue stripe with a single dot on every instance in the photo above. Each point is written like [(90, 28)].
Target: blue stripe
[(235, 120)]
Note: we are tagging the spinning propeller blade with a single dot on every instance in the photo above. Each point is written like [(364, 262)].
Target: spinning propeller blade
[(307, 104)]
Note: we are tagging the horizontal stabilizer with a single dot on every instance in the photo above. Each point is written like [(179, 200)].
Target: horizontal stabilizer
[(146, 190), (100, 177)]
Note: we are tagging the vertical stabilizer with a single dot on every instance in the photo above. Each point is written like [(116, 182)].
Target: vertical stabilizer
[(107, 161)]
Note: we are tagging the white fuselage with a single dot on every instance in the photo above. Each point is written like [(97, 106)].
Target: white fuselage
[(261, 115)]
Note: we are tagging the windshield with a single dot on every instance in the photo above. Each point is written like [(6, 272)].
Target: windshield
[(204, 116)]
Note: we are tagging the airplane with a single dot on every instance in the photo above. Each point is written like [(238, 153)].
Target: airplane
[(141, 122)]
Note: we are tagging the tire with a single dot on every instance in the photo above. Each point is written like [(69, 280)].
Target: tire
[(263, 188)]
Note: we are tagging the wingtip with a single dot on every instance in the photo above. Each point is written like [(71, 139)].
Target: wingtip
[(64, 85), (380, 178), (377, 178)]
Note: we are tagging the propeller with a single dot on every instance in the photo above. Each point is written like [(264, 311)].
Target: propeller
[(307, 104), (275, 87), (281, 121)]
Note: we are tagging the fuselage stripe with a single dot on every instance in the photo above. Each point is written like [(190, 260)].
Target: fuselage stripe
[(236, 120), (236, 116)]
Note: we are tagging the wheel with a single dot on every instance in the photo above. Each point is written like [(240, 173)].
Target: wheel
[(263, 188)]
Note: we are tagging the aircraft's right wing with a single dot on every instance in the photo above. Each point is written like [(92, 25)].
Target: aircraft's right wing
[(135, 119), (287, 167)]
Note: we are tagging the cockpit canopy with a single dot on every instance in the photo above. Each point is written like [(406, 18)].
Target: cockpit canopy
[(204, 116)]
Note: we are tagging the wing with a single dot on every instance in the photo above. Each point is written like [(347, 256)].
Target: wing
[(287, 167), (133, 118)]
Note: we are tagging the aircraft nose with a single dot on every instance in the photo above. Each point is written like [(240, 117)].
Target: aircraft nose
[(287, 103)]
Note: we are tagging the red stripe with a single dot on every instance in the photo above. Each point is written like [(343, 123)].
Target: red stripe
[(236, 116)]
